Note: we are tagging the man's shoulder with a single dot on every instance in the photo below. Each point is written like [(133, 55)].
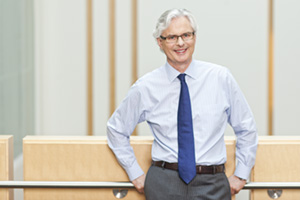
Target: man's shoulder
[(210, 67), (153, 75), (208, 64)]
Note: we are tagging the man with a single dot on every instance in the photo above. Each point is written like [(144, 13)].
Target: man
[(187, 104)]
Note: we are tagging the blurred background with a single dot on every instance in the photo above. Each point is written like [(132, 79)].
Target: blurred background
[(65, 65)]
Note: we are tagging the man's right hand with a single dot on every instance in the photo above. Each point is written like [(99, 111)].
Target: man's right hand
[(139, 183)]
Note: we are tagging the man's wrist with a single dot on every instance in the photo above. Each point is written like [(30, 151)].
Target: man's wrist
[(242, 179)]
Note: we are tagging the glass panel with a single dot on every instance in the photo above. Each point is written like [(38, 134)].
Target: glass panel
[(16, 70)]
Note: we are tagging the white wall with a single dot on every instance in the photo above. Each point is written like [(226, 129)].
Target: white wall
[(287, 68), (101, 63), (60, 53)]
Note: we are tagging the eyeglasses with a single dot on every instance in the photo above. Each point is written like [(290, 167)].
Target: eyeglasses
[(174, 38)]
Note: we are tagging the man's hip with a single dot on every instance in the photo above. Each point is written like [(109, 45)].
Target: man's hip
[(165, 184)]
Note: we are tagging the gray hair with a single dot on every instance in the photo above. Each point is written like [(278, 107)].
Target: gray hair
[(165, 19)]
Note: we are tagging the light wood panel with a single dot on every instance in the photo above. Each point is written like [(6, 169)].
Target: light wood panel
[(270, 70), (77, 159), (85, 159), (112, 56), (6, 165), (277, 160), (134, 40), (134, 45), (89, 6)]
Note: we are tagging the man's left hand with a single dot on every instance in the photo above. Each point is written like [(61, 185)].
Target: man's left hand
[(139, 183), (236, 184)]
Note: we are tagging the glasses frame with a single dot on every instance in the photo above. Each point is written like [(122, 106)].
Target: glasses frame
[(177, 36)]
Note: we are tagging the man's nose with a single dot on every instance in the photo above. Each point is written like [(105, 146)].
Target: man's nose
[(180, 41)]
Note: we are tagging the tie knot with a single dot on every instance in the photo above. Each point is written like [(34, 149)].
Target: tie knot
[(181, 77)]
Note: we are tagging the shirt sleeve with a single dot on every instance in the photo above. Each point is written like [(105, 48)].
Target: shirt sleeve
[(119, 128), (242, 121)]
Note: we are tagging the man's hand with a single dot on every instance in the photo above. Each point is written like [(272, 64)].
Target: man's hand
[(236, 184), (139, 183)]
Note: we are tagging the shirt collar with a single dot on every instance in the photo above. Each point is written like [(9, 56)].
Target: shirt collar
[(172, 73)]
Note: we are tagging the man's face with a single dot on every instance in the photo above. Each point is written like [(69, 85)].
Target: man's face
[(179, 53)]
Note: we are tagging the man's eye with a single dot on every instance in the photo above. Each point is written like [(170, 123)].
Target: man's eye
[(186, 35), (171, 37)]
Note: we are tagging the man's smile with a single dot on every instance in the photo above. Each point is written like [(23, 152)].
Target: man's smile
[(181, 51)]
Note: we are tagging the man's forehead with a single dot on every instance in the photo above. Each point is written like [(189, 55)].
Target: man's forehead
[(178, 26)]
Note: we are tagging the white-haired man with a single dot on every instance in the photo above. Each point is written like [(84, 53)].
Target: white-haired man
[(187, 104)]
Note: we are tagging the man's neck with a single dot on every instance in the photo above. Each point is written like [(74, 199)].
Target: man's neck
[(181, 67)]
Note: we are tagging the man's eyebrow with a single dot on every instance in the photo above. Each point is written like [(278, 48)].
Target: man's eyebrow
[(180, 34)]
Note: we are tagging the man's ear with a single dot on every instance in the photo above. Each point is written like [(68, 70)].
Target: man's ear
[(159, 42)]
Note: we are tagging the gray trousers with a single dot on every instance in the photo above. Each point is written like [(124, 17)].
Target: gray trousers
[(165, 184)]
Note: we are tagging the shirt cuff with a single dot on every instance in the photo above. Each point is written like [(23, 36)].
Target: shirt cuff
[(134, 171), (242, 171)]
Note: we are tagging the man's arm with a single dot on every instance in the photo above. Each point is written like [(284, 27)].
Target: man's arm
[(124, 153), (242, 121), (126, 158), (119, 128)]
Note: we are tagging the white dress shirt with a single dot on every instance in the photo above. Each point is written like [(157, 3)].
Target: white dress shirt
[(216, 100)]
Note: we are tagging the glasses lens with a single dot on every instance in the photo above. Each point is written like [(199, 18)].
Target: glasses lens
[(172, 38), (185, 37)]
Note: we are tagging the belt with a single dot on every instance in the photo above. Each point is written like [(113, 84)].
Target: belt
[(200, 169)]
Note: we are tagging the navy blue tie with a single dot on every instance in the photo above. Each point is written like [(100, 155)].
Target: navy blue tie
[(186, 150)]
